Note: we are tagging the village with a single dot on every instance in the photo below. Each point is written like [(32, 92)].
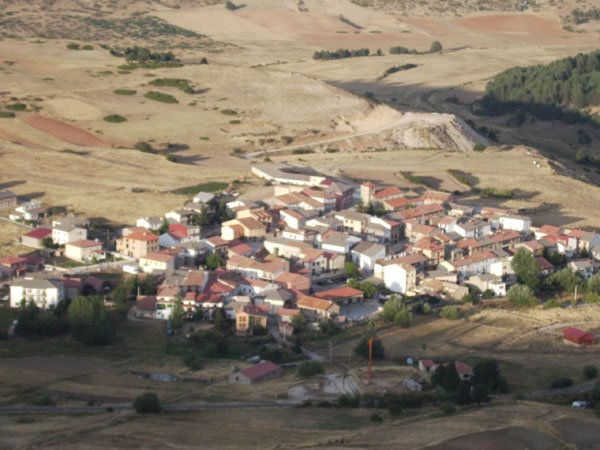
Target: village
[(320, 252)]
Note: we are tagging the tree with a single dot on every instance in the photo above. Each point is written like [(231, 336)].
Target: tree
[(222, 322), (299, 322), (593, 284), (394, 311), (147, 403), (487, 294), (565, 280), (436, 47), (309, 369), (480, 394), (88, 321), (590, 372), (213, 262), (351, 270), (177, 314), (561, 383), (526, 269), (164, 227), (230, 6), (521, 295), (487, 373), (362, 348), (446, 377)]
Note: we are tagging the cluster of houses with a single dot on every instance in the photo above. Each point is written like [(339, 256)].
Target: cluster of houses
[(275, 252)]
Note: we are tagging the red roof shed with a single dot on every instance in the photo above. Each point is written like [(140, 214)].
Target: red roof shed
[(578, 336)]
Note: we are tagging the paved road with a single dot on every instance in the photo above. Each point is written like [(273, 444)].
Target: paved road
[(129, 408)]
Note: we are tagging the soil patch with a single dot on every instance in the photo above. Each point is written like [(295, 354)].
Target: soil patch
[(64, 131)]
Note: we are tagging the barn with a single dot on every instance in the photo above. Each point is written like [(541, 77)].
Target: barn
[(576, 336), (265, 370)]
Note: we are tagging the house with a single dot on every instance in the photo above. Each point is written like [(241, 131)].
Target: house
[(8, 200), (12, 266), (248, 318), (490, 282), (85, 250), (317, 309), (35, 238), (153, 223), (158, 262), (65, 231), (465, 372), (582, 267), (437, 197), (268, 268), (203, 198), (137, 244), (293, 219), (417, 260), (285, 248), (265, 370), (576, 336), (338, 242), (45, 293), (427, 366), (181, 216), (445, 290), (471, 228), (515, 222), (216, 246), (477, 263), (145, 307), (293, 281), (400, 277), (341, 296), (276, 299), (248, 228), (29, 212), (364, 254)]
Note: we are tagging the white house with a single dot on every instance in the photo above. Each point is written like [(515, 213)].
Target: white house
[(157, 262), (44, 293), (489, 281), (66, 231), (150, 223), (203, 198), (30, 211), (472, 228), (515, 222), (478, 263), (84, 251), (366, 253), (400, 277)]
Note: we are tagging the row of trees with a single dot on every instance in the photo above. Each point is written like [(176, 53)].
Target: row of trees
[(436, 47), (85, 318), (341, 53)]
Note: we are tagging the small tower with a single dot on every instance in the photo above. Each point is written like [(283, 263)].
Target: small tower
[(367, 190)]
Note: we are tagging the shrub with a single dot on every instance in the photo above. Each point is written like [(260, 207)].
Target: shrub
[(479, 147), (450, 312), (590, 372), (125, 92), (436, 47), (302, 151), (521, 295), (143, 146), (88, 47), (73, 46), (160, 97), (376, 418), (230, 6), (235, 122), (179, 83), (447, 408), (16, 106), (171, 158), (309, 369), (147, 404), (229, 112), (7, 115), (561, 383), (114, 118), (487, 294), (43, 400), (348, 401)]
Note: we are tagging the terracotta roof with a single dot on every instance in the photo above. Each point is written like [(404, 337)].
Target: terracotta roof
[(288, 312), (12, 260), (39, 233), (178, 230), (260, 370), (217, 241), (414, 258), (474, 258), (340, 293), (388, 192), (314, 303), (543, 263), (144, 235), (157, 256), (146, 303), (420, 211), (463, 368), (209, 298), (550, 229), (85, 243), (254, 310), (403, 202), (437, 196)]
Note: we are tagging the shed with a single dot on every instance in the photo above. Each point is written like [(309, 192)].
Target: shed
[(576, 336), (262, 371)]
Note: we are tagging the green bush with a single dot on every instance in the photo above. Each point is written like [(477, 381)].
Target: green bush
[(16, 106), (229, 112), (348, 401), (235, 122), (309, 369), (43, 400), (561, 383), (171, 158), (212, 186), (115, 118), (302, 151), (147, 404), (447, 408), (450, 312), (143, 146), (88, 47), (160, 97), (178, 83), (125, 91), (73, 46), (7, 115), (376, 418), (590, 372), (522, 295)]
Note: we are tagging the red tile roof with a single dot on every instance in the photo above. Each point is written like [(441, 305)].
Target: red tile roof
[(339, 293), (260, 370), (39, 233), (12, 260), (144, 235), (578, 336)]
